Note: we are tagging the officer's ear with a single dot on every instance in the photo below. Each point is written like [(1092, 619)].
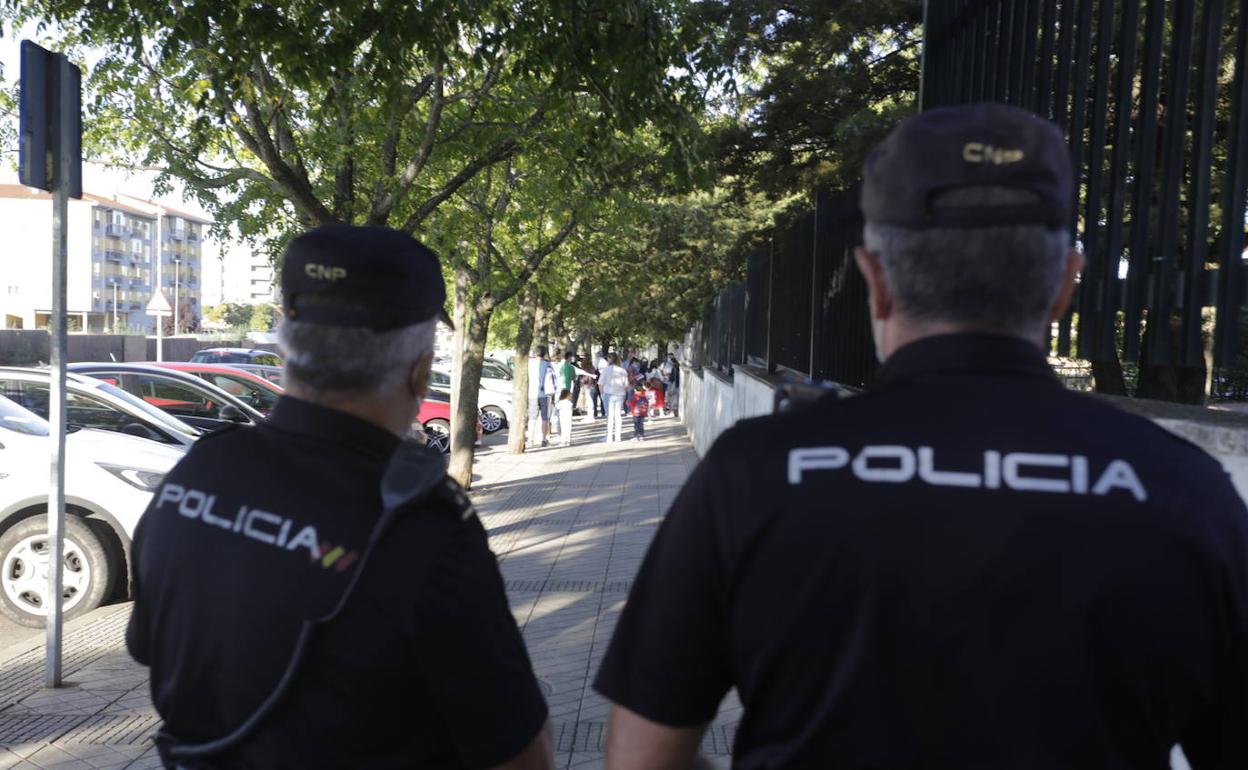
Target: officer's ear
[(1074, 265), (418, 378), (879, 296)]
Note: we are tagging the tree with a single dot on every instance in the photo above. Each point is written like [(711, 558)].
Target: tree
[(404, 110), (401, 105), (261, 318), (818, 84), (235, 315)]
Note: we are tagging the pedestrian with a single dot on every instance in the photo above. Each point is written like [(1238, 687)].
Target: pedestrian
[(570, 379), (542, 386), (658, 393), (564, 408), (595, 392), (672, 397), (265, 567), (639, 406), (969, 564), (613, 382)]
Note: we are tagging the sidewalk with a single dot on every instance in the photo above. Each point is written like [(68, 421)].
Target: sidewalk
[(570, 527)]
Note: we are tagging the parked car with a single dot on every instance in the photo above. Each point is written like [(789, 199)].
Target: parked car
[(236, 356), (92, 403), (182, 395), (435, 420), (256, 391), (109, 480), (271, 373), (495, 404)]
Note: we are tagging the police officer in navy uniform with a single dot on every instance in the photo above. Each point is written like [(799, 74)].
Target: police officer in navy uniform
[(314, 591), (968, 565)]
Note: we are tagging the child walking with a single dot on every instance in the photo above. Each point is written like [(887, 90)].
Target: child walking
[(564, 408), (639, 407)]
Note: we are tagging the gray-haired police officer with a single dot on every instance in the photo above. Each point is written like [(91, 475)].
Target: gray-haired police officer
[(968, 566), (314, 592)]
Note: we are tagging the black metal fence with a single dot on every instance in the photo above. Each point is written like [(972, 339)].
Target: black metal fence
[(802, 307), (1152, 95)]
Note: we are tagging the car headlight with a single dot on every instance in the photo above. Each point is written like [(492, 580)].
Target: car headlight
[(136, 477)]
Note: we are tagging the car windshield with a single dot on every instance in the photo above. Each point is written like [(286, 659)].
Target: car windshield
[(20, 420), (495, 371), (155, 415), (221, 357)]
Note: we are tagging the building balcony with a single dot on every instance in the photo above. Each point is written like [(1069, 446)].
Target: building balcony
[(115, 229), (113, 256)]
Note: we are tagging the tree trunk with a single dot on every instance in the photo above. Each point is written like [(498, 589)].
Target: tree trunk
[(465, 391), (1171, 382), (1108, 377), (527, 302)]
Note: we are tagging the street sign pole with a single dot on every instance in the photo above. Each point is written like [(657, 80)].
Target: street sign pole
[(51, 159), (56, 507)]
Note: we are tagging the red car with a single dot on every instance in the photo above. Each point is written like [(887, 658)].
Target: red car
[(260, 393), (435, 415), (257, 392)]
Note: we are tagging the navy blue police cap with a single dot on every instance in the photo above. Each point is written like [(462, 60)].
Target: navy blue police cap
[(976, 145), (350, 275)]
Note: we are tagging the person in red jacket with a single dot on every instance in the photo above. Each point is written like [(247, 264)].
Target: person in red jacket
[(639, 407)]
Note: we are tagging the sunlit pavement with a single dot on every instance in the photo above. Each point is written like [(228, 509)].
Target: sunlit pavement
[(569, 525)]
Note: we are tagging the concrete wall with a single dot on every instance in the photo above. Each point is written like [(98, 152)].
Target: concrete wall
[(711, 403), (19, 347), (25, 347), (753, 393), (706, 406)]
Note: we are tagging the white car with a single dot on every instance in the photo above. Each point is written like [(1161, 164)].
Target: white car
[(109, 479), (92, 403), (493, 399)]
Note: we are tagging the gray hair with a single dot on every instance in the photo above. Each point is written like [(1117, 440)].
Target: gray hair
[(353, 359), (1001, 279)]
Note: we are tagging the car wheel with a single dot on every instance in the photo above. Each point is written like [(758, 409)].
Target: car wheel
[(439, 432), (24, 561), (492, 419)]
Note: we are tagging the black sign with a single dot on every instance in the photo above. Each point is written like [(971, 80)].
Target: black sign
[(50, 120)]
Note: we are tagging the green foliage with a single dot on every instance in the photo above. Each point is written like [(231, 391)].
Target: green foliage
[(818, 83), (375, 111), (657, 265), (261, 318), (236, 315)]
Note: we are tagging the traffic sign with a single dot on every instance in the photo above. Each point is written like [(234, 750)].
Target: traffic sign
[(50, 121), (159, 305), (50, 158)]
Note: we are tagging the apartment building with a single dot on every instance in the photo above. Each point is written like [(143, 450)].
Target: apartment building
[(261, 279), (120, 249)]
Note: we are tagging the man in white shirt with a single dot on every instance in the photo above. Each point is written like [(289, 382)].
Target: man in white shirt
[(613, 382), (542, 389)]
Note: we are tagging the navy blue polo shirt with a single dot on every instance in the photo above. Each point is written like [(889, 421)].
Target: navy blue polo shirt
[(260, 528), (967, 566)]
